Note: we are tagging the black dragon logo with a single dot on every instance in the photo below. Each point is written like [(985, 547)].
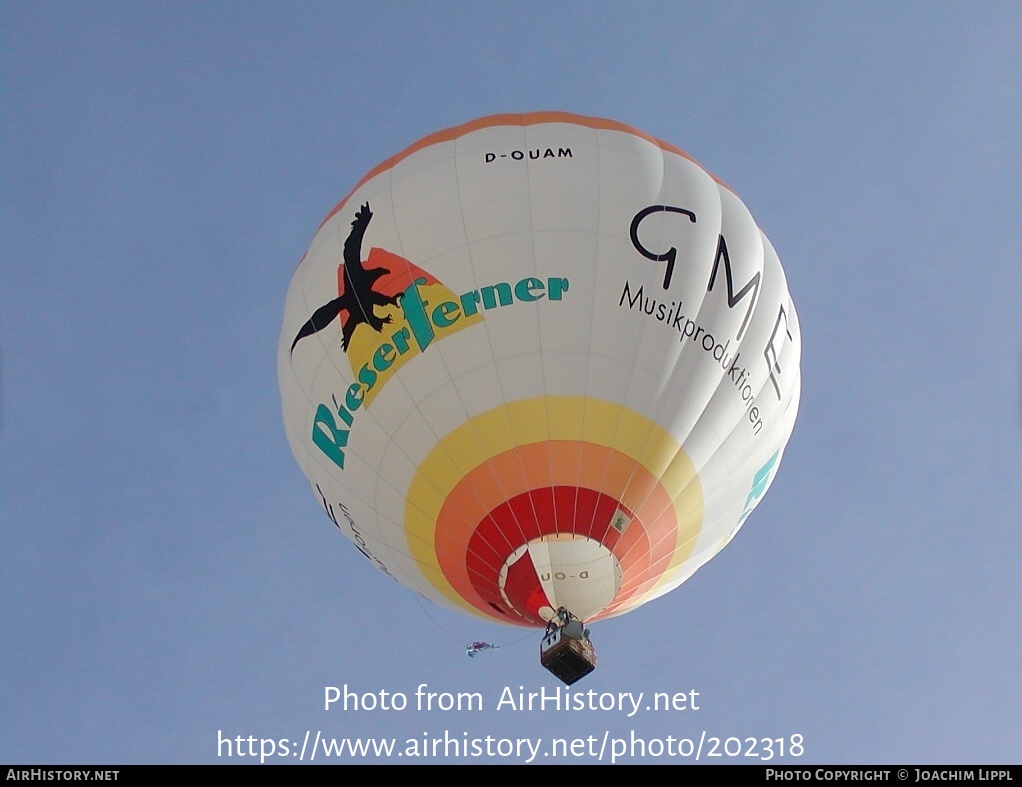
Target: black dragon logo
[(359, 299)]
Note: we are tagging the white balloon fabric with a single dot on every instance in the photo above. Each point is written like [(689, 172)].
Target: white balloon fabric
[(539, 361)]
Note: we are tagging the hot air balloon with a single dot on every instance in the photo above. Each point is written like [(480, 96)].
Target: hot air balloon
[(539, 368)]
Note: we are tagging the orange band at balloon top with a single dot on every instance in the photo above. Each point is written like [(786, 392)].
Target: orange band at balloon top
[(523, 119), (524, 451)]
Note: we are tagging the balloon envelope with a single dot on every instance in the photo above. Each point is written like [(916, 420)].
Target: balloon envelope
[(539, 361)]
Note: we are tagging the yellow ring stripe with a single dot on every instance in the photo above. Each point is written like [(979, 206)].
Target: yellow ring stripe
[(538, 420)]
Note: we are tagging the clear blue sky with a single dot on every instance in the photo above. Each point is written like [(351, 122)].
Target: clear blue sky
[(165, 573)]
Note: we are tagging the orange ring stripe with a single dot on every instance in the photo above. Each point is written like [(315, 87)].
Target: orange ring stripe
[(558, 463), (573, 421)]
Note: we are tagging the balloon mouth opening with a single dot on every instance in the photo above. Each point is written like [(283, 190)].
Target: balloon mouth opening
[(559, 570)]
